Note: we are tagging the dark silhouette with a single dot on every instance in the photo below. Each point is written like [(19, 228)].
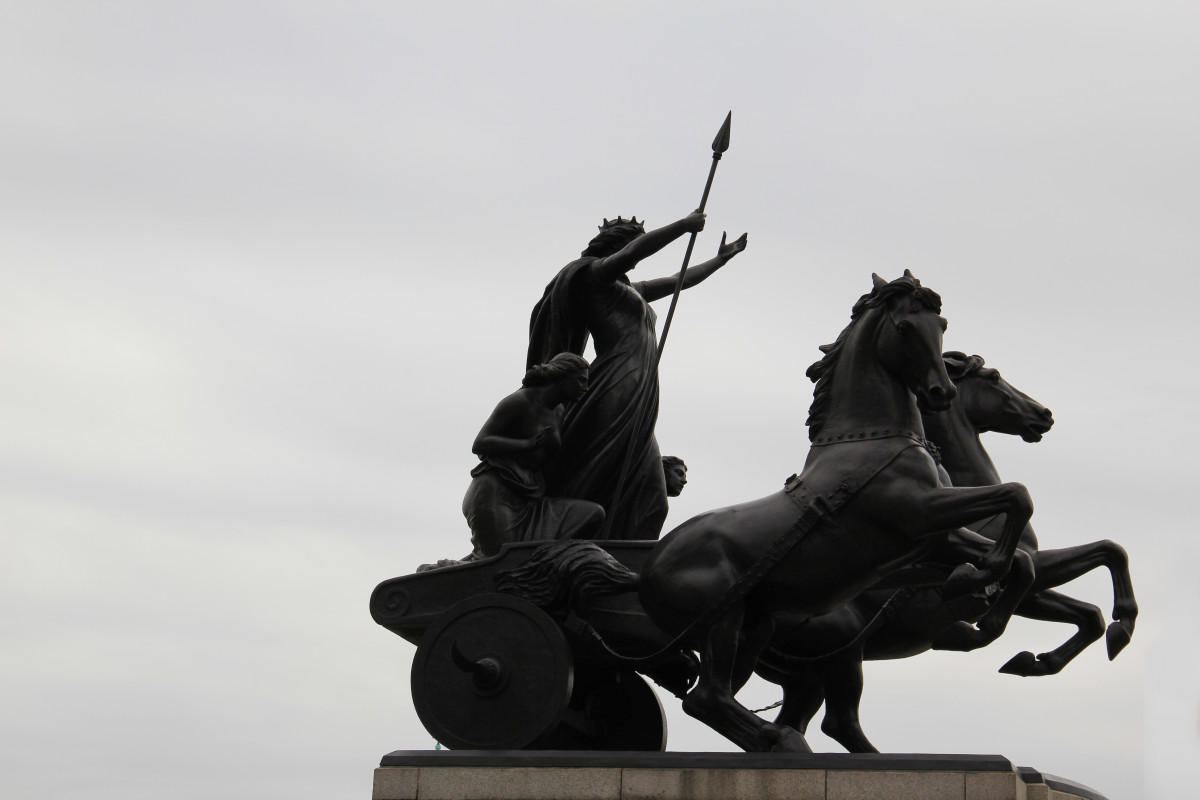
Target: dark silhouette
[(535, 646)]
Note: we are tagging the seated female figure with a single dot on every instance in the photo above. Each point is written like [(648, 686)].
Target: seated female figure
[(506, 501)]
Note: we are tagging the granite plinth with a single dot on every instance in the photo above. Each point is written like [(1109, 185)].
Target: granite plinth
[(570, 775)]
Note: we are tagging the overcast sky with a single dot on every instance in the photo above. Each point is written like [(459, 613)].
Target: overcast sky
[(265, 268)]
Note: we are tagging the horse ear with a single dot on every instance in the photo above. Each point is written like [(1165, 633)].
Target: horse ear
[(878, 281), (908, 273)]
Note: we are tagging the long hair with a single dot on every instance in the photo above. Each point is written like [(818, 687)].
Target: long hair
[(959, 365), (561, 366)]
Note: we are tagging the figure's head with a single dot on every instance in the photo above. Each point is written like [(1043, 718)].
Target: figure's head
[(566, 371), (613, 236), (675, 473)]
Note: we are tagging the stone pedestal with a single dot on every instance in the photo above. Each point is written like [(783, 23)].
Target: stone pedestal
[(568, 775)]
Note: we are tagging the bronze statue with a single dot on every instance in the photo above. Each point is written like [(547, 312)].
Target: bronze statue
[(614, 421), (540, 639), (507, 500)]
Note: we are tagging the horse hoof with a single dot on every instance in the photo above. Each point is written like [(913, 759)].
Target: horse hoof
[(791, 741), (1116, 637), (1023, 664)]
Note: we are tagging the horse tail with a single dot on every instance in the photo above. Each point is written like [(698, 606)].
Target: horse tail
[(563, 576), (567, 573)]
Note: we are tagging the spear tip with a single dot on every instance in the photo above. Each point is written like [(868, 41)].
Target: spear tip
[(721, 143)]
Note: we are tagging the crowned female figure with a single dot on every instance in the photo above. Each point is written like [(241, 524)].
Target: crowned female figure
[(613, 423)]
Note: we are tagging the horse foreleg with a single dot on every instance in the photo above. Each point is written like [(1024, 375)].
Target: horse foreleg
[(946, 508), (1051, 606), (712, 701), (1056, 567), (1012, 594), (966, 545)]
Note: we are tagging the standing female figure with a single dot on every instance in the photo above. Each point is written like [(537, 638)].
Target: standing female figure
[(593, 296)]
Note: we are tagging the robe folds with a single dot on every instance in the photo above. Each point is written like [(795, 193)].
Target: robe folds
[(618, 413)]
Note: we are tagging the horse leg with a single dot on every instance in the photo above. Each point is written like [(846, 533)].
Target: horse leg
[(966, 545), (1051, 606), (1012, 593), (947, 508), (803, 695), (752, 640), (1056, 567), (712, 701), (842, 677)]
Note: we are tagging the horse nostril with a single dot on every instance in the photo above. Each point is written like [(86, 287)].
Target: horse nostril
[(942, 395), (1046, 414)]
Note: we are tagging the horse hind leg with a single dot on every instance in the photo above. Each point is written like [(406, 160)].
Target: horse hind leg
[(842, 677), (1056, 567), (1052, 606), (711, 701), (803, 696), (752, 640)]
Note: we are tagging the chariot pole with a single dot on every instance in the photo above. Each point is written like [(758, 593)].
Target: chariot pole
[(719, 146)]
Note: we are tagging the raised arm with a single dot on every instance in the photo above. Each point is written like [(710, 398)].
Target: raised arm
[(610, 268), (659, 288)]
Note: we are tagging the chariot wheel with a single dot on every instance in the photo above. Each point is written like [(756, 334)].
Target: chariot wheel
[(492, 672), (625, 712)]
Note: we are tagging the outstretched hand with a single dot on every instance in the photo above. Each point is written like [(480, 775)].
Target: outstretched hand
[(728, 251)]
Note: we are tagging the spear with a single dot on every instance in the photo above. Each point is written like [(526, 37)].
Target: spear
[(719, 146)]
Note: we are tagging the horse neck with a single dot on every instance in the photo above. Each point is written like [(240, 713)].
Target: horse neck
[(963, 456), (864, 396)]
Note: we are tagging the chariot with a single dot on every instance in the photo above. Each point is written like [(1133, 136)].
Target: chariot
[(493, 671)]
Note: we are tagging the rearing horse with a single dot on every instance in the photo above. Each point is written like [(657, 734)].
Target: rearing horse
[(989, 403), (868, 504), (822, 661)]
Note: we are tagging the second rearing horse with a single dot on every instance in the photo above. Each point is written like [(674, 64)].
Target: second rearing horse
[(868, 505)]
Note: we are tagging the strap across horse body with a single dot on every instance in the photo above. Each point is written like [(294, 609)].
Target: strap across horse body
[(815, 507)]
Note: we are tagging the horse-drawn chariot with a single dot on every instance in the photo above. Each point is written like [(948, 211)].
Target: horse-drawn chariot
[(494, 671)]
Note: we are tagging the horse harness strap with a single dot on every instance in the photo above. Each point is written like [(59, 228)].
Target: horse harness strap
[(817, 502), (859, 459)]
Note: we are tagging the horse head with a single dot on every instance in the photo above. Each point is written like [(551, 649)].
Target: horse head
[(893, 342), (990, 403), (909, 339)]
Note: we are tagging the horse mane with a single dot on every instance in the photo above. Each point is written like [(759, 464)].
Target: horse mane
[(959, 365), (821, 372)]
